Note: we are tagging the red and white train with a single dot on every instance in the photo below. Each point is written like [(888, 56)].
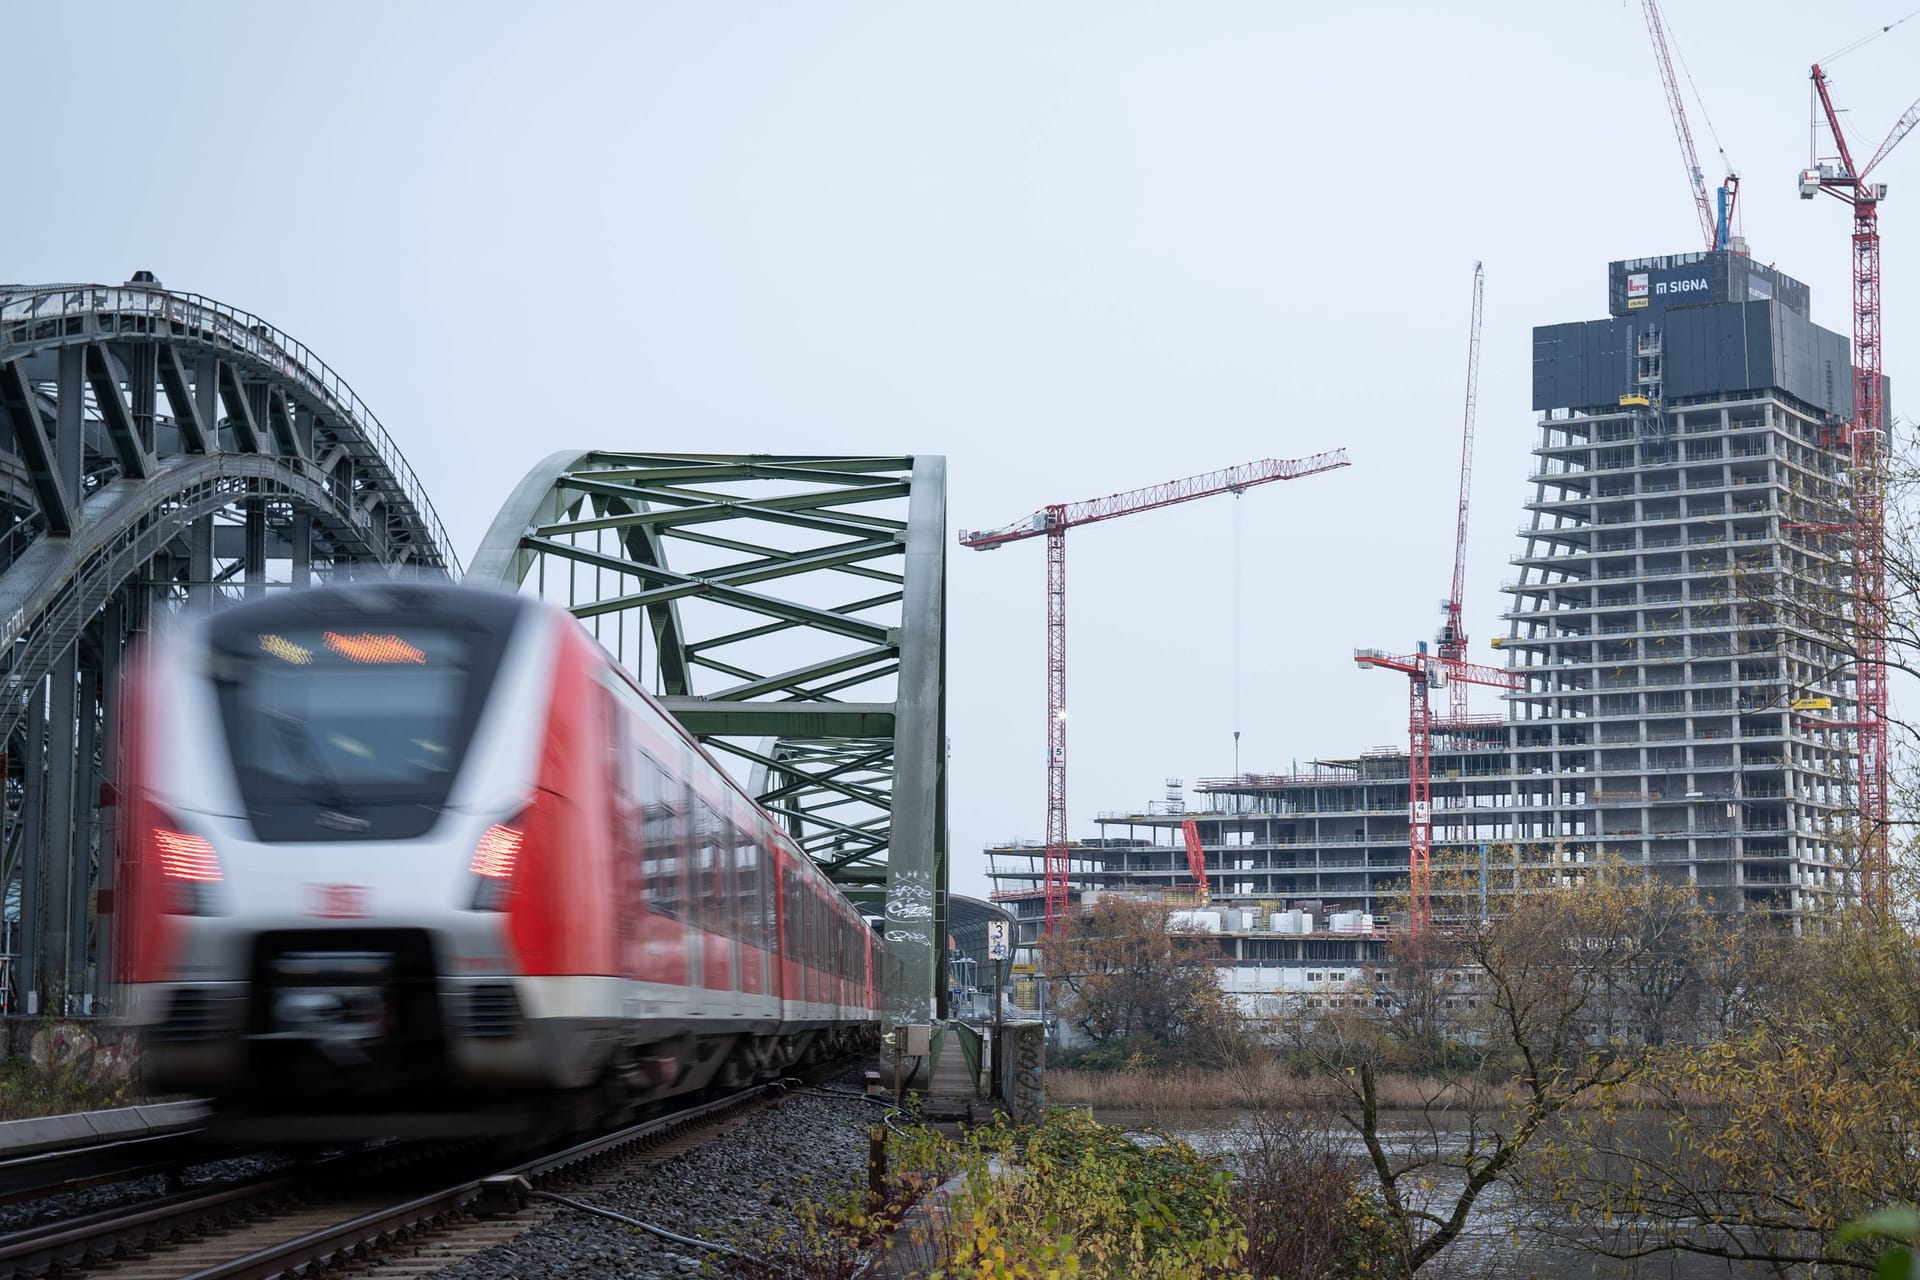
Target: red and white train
[(404, 857)]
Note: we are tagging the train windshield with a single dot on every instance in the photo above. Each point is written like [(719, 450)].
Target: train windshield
[(350, 731)]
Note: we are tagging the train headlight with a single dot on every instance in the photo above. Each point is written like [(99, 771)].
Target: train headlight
[(493, 862), (189, 865)]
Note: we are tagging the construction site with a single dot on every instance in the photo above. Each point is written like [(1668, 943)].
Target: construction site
[(1692, 675)]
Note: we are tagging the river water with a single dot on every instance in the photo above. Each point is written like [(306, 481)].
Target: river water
[(1499, 1242)]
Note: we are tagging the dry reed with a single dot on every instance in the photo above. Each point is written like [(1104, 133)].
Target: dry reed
[(1262, 1087)]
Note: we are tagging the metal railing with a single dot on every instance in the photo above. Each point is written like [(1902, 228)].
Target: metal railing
[(33, 314), (34, 636)]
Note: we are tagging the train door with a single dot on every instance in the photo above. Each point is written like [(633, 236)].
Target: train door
[(663, 878), (750, 880), (726, 872), (625, 814), (793, 989), (712, 873), (690, 841), (816, 943), (808, 951)]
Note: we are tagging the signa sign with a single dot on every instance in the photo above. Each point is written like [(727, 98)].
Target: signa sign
[(1641, 286)]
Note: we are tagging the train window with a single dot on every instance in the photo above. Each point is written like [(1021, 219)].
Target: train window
[(665, 832), (786, 937), (803, 935), (620, 753), (771, 930), (822, 960), (368, 722), (797, 919), (624, 810), (746, 865), (807, 948), (813, 927)]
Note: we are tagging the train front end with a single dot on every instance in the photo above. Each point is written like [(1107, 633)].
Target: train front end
[(318, 843)]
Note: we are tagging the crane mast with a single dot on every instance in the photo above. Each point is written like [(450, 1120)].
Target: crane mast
[(1052, 523), (1423, 672), (1867, 439), (1452, 645), (1197, 859)]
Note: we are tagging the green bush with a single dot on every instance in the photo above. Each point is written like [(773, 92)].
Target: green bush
[(1077, 1198)]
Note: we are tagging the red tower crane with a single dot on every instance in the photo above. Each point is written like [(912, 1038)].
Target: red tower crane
[(1452, 644), (1866, 436), (1197, 859), (1052, 522), (1423, 672), (1716, 228), (1449, 665)]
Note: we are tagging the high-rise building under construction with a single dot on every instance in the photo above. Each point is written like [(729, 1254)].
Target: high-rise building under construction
[(1681, 602), (1681, 611)]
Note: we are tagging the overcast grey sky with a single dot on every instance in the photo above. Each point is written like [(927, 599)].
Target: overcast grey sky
[(1076, 247)]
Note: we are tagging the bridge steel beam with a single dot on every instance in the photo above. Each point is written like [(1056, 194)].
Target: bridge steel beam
[(789, 612), (114, 480)]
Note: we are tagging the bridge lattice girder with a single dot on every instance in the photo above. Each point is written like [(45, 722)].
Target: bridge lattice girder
[(789, 612), (164, 449)]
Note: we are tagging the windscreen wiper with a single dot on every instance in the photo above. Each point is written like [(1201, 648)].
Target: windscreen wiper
[(300, 744)]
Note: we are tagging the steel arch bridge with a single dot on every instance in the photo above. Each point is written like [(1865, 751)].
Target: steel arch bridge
[(163, 450), (789, 611)]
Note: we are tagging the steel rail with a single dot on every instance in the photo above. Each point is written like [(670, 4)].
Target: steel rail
[(70, 1244), (77, 1245), (350, 1243), (47, 1173)]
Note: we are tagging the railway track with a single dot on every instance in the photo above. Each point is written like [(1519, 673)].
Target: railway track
[(52, 1154), (346, 1211)]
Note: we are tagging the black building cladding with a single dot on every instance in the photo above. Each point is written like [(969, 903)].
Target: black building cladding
[(1726, 325), (1642, 285)]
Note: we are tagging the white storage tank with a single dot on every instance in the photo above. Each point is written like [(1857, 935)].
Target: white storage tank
[(1194, 921), (1293, 921)]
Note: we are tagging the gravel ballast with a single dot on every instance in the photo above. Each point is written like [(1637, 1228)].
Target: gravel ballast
[(739, 1189), (209, 1176)]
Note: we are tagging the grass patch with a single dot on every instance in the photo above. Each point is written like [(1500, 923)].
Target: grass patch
[(28, 1090), (1071, 1198), (68, 1066)]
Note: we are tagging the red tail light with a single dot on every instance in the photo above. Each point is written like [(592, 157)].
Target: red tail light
[(185, 857), (496, 853)]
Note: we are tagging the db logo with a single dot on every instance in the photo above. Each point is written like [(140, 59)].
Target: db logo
[(336, 901)]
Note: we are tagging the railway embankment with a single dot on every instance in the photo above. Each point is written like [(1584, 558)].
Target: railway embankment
[(60, 1066)]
